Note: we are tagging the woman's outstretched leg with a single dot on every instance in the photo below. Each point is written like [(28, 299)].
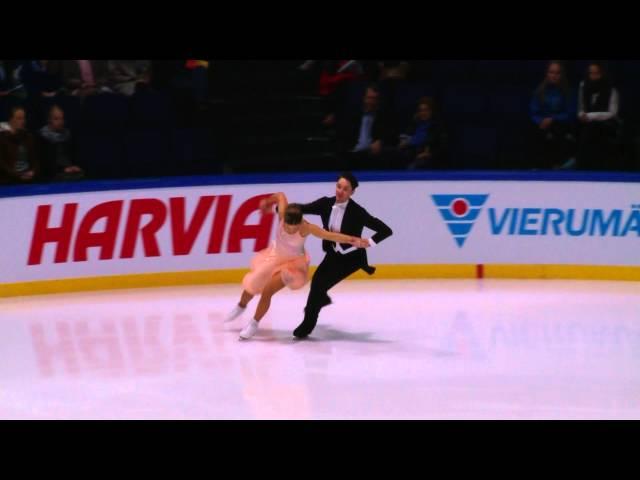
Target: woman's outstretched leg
[(239, 309), (275, 284), (245, 298)]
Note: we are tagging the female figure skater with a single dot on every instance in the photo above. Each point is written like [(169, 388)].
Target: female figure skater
[(284, 263)]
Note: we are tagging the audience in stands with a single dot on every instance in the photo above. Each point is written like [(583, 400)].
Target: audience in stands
[(553, 113), (126, 76), (56, 149), (598, 102), (18, 159), (82, 77), (582, 130), (423, 146), (41, 85)]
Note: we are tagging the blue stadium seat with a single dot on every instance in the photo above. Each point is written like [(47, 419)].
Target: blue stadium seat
[(579, 70), (105, 113), (151, 110), (446, 72), (630, 69), (462, 103), (509, 103), (511, 144), (146, 153), (532, 72), (500, 72), (616, 70), (629, 109), (474, 147), (101, 155), (192, 152)]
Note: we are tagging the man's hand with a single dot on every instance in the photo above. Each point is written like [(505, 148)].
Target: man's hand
[(376, 147), (359, 242)]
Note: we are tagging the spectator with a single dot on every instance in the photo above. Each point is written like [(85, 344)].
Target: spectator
[(82, 77), (18, 161), (553, 111), (56, 148), (128, 75), (364, 138), (423, 145), (334, 78), (598, 104), (188, 81), (40, 84), (199, 80)]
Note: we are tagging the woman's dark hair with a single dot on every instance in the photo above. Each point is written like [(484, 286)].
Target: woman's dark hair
[(350, 178), (293, 214), (606, 75), (564, 84), (602, 87)]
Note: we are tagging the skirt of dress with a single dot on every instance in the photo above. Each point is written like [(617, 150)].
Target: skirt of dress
[(294, 271)]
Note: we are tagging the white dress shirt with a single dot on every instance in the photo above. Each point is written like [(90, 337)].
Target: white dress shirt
[(335, 224)]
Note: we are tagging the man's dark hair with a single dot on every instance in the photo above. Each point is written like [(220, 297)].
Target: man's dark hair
[(350, 178), (293, 214)]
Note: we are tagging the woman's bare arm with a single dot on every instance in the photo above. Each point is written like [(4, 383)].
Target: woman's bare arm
[(279, 198)]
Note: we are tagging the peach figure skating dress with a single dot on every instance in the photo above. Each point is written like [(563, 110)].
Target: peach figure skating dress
[(286, 256)]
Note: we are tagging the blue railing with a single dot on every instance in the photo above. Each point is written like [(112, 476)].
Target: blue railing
[(379, 176)]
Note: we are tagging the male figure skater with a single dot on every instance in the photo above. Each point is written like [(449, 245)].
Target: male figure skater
[(343, 215)]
